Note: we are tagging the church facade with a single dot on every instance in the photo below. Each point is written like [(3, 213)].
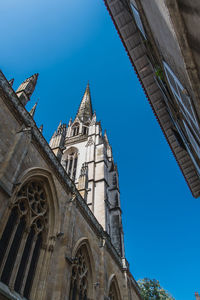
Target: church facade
[(61, 234)]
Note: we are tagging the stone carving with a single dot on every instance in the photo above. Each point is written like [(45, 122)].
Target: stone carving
[(84, 169), (90, 142)]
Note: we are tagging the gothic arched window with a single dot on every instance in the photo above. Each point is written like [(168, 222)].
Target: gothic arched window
[(113, 294), (71, 159), (23, 237), (81, 276), (85, 130), (75, 130)]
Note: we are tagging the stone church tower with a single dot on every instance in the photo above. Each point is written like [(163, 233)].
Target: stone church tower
[(61, 233), (86, 155)]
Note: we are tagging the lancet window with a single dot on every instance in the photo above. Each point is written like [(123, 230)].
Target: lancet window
[(80, 277), (113, 295), (71, 164), (85, 130), (75, 130), (23, 237)]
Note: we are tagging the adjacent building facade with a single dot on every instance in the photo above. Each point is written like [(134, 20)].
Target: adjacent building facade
[(61, 233), (162, 41)]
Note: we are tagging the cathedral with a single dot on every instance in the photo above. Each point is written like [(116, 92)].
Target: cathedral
[(61, 234)]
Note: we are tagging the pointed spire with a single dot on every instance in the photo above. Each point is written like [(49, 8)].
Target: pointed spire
[(11, 81), (85, 109), (33, 109), (41, 128), (26, 89)]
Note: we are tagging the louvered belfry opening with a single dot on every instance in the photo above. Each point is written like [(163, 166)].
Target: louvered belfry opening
[(23, 237), (71, 163), (80, 276)]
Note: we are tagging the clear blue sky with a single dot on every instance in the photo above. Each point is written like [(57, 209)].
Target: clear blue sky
[(68, 43)]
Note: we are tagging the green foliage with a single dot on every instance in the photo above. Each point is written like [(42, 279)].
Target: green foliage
[(159, 72), (151, 290)]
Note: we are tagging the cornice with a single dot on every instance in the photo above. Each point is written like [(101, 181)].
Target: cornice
[(76, 139)]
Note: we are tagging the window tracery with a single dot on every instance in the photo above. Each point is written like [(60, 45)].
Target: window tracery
[(23, 236), (80, 276)]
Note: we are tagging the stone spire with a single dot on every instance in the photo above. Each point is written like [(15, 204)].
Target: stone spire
[(26, 89), (86, 155), (85, 109)]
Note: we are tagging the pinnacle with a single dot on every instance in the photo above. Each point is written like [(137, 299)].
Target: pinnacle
[(11, 81), (33, 109), (106, 137), (41, 128), (60, 124), (93, 118), (32, 78), (26, 89)]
